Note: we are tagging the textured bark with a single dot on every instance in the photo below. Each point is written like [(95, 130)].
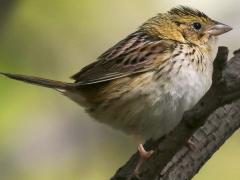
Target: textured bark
[(180, 154)]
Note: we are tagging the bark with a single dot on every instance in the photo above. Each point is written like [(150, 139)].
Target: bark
[(202, 131)]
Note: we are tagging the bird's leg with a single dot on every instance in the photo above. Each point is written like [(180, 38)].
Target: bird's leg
[(144, 155)]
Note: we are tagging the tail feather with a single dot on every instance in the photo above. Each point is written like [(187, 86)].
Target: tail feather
[(40, 81)]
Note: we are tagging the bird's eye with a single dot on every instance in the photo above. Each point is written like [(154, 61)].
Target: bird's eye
[(197, 26)]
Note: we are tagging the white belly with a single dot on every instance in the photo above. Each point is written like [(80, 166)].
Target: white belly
[(166, 105)]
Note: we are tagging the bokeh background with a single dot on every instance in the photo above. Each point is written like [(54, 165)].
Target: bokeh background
[(45, 136)]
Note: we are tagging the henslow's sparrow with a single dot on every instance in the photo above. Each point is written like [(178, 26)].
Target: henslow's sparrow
[(144, 83)]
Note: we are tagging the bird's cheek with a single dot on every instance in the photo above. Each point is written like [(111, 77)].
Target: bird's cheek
[(204, 38), (191, 36)]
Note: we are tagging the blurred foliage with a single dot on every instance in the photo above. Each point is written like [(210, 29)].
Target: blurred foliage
[(44, 136)]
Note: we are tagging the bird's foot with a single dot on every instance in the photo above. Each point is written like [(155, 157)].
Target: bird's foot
[(144, 155)]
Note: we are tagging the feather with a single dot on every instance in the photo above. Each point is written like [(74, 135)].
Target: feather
[(130, 56), (40, 81)]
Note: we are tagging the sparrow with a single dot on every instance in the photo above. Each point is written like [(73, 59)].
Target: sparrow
[(144, 83)]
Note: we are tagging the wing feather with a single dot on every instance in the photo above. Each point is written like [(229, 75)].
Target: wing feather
[(136, 54)]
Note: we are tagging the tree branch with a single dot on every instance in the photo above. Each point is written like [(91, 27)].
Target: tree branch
[(202, 131)]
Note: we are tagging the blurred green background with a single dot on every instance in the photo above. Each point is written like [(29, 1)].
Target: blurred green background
[(45, 136)]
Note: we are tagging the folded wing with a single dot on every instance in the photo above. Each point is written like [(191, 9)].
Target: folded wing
[(137, 53)]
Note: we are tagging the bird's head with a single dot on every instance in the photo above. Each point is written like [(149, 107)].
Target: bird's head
[(185, 25)]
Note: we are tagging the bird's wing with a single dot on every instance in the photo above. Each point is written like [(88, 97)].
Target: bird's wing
[(136, 54)]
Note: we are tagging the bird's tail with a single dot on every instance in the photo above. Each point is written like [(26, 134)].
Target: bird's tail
[(41, 81)]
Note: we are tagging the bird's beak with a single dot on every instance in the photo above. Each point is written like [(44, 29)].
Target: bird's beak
[(218, 29)]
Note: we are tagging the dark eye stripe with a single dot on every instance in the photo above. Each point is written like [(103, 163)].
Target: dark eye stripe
[(178, 23)]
